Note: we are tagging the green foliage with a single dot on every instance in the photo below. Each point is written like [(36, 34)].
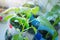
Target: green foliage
[(57, 20), (35, 10), (35, 30), (26, 12), (54, 11), (45, 22), (17, 37), (21, 21), (28, 5), (8, 17), (17, 10), (26, 38)]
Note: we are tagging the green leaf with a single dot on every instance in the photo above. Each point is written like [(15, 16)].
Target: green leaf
[(35, 10), (17, 10), (26, 12), (11, 9), (28, 5), (45, 22), (23, 21), (57, 20), (35, 30), (18, 36), (15, 37), (26, 38), (8, 17)]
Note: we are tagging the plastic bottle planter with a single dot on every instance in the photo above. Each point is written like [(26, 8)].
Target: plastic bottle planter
[(8, 36), (50, 33), (37, 36), (34, 22)]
